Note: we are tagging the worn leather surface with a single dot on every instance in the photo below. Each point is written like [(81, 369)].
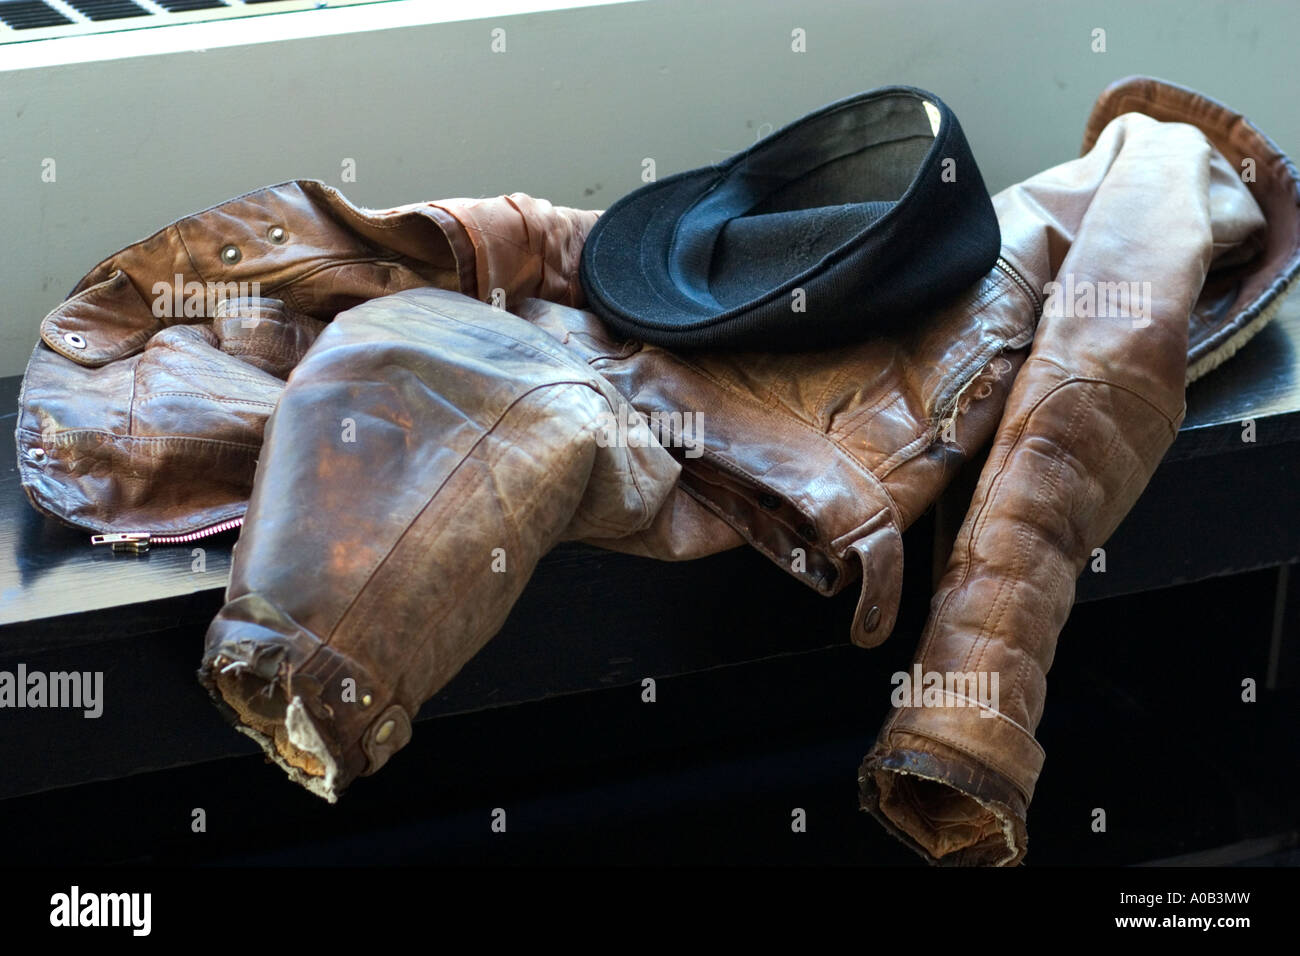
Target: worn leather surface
[(438, 390), (154, 422), (428, 452), (1092, 411)]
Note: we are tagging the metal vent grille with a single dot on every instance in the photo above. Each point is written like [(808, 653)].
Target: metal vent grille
[(27, 20), (108, 9), (30, 14), (178, 6)]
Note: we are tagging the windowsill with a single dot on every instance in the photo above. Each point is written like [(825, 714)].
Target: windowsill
[(266, 28)]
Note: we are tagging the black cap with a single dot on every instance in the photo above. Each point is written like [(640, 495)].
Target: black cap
[(854, 221)]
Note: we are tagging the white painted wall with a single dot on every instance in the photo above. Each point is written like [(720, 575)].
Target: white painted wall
[(571, 108)]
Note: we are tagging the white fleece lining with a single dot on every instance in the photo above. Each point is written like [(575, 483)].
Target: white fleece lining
[(322, 787), (304, 735), (1229, 348)]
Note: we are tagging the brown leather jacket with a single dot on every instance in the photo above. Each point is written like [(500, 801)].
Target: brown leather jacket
[(430, 447)]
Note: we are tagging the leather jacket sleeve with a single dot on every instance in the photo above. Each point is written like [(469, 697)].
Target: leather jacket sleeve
[(427, 452), (522, 247), (1091, 413)]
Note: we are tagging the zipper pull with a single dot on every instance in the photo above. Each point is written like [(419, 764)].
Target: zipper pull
[(138, 542), (131, 542)]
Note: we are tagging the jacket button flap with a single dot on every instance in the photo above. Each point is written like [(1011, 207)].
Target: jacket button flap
[(879, 546), (101, 324), (387, 734)]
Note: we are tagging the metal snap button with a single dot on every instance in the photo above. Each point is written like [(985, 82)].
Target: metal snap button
[(769, 501), (38, 454), (277, 235), (366, 700), (75, 340), (807, 532), (230, 255), (872, 620), (385, 731)]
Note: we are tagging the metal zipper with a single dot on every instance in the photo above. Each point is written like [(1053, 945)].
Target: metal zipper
[(1014, 275), (138, 542)]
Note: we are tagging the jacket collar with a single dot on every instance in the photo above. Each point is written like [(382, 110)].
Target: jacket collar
[(1239, 297)]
